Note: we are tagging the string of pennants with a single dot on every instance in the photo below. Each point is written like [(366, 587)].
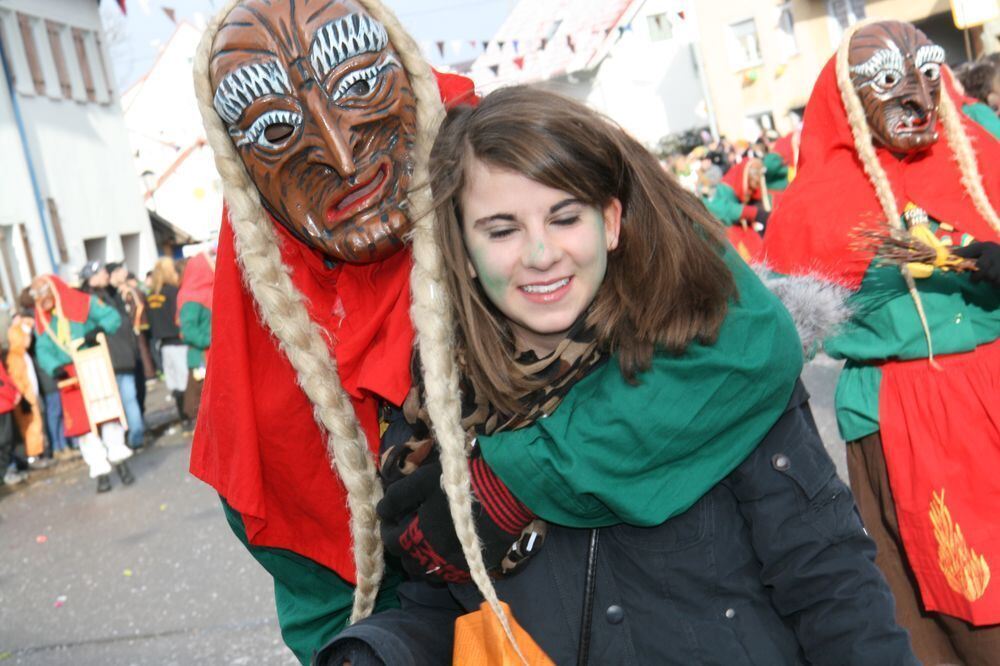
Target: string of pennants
[(522, 47)]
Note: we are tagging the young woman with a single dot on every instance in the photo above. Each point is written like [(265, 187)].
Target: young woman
[(166, 331), (623, 372)]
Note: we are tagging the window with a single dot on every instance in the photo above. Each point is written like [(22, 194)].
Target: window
[(846, 12), (756, 123), (104, 67), (659, 27), (79, 42), (784, 36), (55, 43), (26, 25), (744, 46)]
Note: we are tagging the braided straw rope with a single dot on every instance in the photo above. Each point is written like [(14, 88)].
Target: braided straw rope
[(283, 311)]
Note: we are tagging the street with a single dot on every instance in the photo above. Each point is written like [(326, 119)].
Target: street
[(145, 574), (151, 573)]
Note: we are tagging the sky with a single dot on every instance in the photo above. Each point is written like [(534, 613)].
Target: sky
[(134, 39)]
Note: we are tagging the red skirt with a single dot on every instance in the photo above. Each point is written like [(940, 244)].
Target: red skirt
[(747, 242), (941, 438)]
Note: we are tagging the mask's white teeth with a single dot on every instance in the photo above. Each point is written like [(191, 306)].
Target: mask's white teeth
[(545, 288)]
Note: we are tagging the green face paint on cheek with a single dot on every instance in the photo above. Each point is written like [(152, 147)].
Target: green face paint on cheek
[(493, 283)]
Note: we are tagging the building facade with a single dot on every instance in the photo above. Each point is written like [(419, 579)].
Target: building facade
[(174, 166), (68, 190), (661, 67), (761, 57)]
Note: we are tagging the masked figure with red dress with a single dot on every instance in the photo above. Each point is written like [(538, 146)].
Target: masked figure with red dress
[(320, 116), (886, 155)]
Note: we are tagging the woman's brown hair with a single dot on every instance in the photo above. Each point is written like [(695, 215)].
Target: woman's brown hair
[(164, 272), (666, 283)]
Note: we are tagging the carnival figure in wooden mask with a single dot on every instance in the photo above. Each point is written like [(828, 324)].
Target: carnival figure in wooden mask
[(896, 71), (323, 116), (886, 149)]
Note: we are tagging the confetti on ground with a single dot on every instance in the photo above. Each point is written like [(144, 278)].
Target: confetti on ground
[(41, 538), (163, 507), (127, 573), (60, 600), (5, 655)]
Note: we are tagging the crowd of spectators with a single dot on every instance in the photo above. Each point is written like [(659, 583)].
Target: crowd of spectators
[(146, 347)]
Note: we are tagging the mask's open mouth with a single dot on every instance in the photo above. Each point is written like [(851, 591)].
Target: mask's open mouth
[(361, 196)]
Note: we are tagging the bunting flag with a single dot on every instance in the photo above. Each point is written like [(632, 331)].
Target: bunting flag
[(121, 4), (440, 45), (500, 43), (570, 44), (545, 40), (515, 43), (171, 14), (495, 69), (519, 62), (486, 44)]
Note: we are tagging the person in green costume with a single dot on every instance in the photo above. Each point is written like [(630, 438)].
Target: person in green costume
[(65, 320), (630, 415)]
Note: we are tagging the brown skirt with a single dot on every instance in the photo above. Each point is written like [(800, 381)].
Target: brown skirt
[(937, 638), (192, 396)]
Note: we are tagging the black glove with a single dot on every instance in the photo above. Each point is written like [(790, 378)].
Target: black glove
[(987, 256), (90, 338), (417, 525), (762, 216), (25, 406), (60, 374)]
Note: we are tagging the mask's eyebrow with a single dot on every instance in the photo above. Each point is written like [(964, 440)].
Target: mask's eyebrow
[(929, 53), (346, 38), (242, 86), (880, 60)]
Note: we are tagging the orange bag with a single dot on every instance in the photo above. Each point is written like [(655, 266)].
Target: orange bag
[(481, 641)]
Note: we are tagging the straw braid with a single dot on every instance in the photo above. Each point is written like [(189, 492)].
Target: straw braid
[(863, 143), (283, 311), (951, 117), (431, 312)]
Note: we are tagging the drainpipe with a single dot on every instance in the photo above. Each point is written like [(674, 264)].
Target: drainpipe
[(27, 156), (692, 13)]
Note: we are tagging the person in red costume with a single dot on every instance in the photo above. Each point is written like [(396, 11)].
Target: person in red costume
[(885, 149), (320, 121)]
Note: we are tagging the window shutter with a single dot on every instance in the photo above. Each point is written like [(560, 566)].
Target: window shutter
[(31, 51), (81, 56), (55, 33)]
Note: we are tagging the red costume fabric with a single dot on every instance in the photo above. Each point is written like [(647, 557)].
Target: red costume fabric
[(833, 193), (196, 285), (72, 304), (736, 178), (940, 443), (9, 395), (742, 235), (257, 442)]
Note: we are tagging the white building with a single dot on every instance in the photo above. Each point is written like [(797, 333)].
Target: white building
[(68, 192), (630, 59), (175, 167)]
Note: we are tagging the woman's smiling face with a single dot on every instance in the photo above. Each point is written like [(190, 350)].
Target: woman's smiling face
[(539, 253)]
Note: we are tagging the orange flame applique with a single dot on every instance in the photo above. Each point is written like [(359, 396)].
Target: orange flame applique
[(965, 570)]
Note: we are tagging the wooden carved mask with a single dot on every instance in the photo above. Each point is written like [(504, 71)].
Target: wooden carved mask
[(896, 71), (323, 116)]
